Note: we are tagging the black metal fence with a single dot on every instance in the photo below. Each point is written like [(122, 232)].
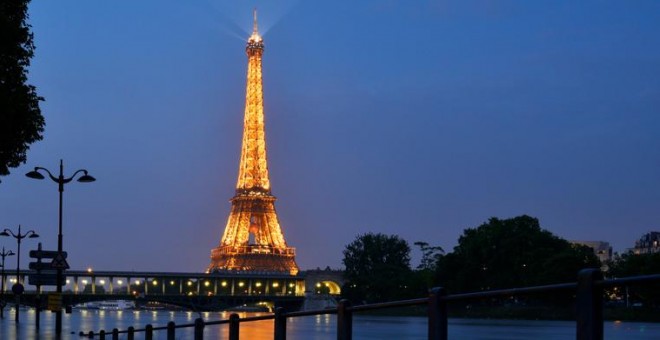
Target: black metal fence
[(588, 291)]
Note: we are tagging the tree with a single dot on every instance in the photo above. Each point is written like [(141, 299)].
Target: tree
[(511, 253), (630, 264), (377, 268), (423, 278), (21, 122), (430, 255)]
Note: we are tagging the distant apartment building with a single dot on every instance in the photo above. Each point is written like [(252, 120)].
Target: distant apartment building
[(648, 243), (601, 249)]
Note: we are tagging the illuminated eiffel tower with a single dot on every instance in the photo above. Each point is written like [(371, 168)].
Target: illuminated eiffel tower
[(253, 239)]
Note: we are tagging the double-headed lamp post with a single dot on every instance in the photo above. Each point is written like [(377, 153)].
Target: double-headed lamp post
[(60, 180), (17, 288), (3, 254)]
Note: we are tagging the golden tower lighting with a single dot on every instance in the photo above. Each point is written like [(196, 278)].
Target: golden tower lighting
[(253, 240)]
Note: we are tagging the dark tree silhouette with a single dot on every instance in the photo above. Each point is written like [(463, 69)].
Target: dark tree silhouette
[(21, 122), (377, 268), (511, 253), (630, 264)]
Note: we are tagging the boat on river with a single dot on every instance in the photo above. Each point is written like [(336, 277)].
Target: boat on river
[(115, 305)]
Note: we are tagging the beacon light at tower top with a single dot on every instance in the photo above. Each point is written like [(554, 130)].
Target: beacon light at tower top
[(255, 37)]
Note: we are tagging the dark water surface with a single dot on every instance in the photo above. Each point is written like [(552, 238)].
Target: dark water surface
[(321, 327)]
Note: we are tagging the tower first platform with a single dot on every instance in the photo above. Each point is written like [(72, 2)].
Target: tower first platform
[(253, 240)]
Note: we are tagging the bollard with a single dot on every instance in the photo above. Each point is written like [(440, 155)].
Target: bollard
[(90, 335), (437, 314), (280, 324), (115, 334), (589, 305), (102, 334), (171, 330), (233, 326), (199, 329), (344, 321), (130, 334), (149, 332)]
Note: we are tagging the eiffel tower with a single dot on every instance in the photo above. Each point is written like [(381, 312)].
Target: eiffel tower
[(253, 240)]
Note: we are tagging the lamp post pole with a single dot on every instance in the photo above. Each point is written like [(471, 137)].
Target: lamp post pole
[(3, 254), (17, 288), (60, 180)]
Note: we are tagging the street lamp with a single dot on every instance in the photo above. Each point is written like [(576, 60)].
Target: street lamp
[(17, 288), (60, 180), (3, 254)]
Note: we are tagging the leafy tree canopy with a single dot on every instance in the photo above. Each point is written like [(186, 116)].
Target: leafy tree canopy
[(377, 267), (21, 122), (630, 264), (511, 253)]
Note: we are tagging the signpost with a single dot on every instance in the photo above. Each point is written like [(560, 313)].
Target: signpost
[(54, 301), (47, 276), (47, 271)]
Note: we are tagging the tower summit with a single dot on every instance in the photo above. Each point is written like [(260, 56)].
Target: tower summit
[(253, 240)]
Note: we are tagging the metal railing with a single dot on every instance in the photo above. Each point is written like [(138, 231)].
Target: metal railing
[(589, 310)]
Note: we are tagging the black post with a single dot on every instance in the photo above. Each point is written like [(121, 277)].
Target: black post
[(115, 334), (102, 335), (171, 330), (589, 305), (3, 302), (38, 309), (437, 314), (58, 313), (18, 278), (344, 321), (280, 324), (130, 334), (234, 326), (149, 332), (199, 329)]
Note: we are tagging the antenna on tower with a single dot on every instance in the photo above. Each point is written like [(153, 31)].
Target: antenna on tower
[(255, 30)]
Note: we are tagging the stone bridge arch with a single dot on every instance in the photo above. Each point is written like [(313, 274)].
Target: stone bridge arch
[(324, 281)]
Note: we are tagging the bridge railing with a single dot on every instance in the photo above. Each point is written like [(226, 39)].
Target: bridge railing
[(588, 290)]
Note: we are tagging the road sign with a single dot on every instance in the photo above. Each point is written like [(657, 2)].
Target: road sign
[(55, 301), (45, 254), (45, 280), (59, 262), (40, 266)]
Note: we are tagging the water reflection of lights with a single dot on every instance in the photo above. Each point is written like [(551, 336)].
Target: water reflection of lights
[(322, 319)]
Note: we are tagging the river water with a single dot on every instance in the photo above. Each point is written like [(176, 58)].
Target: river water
[(321, 327)]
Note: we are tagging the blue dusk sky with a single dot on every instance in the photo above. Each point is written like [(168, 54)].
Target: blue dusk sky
[(416, 118)]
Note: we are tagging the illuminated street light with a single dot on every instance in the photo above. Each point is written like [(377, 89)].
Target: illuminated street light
[(60, 180), (17, 288)]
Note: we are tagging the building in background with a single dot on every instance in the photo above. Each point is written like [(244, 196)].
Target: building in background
[(647, 244), (601, 249)]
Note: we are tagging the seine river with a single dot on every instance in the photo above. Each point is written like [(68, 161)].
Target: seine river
[(309, 328)]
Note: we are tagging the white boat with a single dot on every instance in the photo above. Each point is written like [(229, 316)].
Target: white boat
[(116, 305)]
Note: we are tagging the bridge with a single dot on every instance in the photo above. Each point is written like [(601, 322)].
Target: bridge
[(196, 291)]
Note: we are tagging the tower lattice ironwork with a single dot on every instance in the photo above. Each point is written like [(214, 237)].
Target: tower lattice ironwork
[(253, 240)]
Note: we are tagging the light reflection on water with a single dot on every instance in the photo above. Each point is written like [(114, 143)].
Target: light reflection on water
[(318, 327)]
